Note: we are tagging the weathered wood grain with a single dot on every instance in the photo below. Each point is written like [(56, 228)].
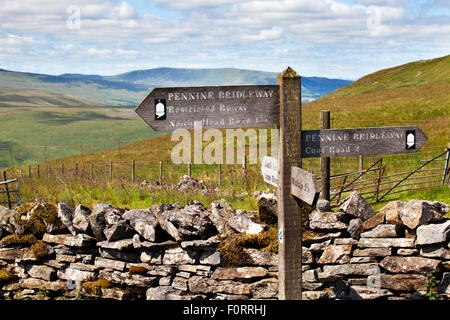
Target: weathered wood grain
[(289, 210), (214, 106), (360, 141)]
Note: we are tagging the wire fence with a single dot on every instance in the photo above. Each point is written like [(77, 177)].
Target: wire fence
[(377, 179)]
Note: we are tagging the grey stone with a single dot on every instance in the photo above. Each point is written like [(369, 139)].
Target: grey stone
[(355, 227), (372, 252), (239, 273), (33, 283), (264, 289), (5, 216), (178, 256), (180, 283), (315, 295), (435, 251), (65, 258), (410, 264), (76, 275), (392, 211), (199, 284), (357, 206), (407, 252), (208, 244), (345, 241), (336, 254), (121, 245), (367, 293), (42, 272), (124, 278), (109, 264), (186, 223), (120, 230), (386, 242), (80, 240), (433, 233), (129, 256), (381, 231), (151, 257), (114, 294), (307, 256), (66, 214), (262, 258), (162, 293), (210, 258), (80, 220), (84, 266), (319, 247), (417, 212), (243, 222), (326, 221), (323, 205), (220, 212), (144, 222), (97, 220), (366, 269), (112, 217), (363, 260), (403, 282), (374, 221)]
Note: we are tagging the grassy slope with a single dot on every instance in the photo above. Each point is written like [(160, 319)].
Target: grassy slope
[(93, 89)]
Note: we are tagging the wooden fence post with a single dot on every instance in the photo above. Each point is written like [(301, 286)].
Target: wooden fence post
[(446, 166), (133, 170), (110, 169), (160, 171), (220, 174), (189, 169), (92, 171), (289, 208), (38, 171), (29, 171), (361, 163), (7, 189), (325, 161)]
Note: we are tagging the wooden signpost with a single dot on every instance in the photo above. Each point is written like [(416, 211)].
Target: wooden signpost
[(166, 109), (361, 141), (269, 170), (304, 185)]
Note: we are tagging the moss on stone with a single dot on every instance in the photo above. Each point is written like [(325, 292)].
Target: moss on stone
[(95, 287), (39, 248), (34, 217), (136, 270), (28, 239), (6, 276)]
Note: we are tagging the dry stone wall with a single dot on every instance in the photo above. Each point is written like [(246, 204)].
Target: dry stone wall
[(172, 252)]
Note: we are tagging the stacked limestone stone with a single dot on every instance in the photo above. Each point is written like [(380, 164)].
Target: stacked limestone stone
[(171, 252), (390, 255), (164, 252)]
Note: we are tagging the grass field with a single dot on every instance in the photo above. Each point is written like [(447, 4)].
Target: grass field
[(413, 94)]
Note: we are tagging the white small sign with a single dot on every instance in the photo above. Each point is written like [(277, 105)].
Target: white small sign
[(269, 170)]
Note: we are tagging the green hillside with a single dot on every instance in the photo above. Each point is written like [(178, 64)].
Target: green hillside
[(13, 97), (94, 89), (417, 73)]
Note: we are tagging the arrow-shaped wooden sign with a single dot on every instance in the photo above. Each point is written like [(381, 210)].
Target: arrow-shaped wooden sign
[(361, 141), (166, 109), (304, 185)]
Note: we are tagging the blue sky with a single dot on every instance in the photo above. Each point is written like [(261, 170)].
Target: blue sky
[(332, 38)]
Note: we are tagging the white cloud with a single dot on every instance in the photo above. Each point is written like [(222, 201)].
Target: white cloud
[(98, 52)]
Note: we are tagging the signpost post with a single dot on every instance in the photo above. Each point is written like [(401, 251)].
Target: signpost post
[(166, 109)]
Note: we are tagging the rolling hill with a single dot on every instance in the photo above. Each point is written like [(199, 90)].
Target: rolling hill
[(130, 88)]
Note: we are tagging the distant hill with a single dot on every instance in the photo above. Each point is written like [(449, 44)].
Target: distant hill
[(312, 87), (13, 97), (416, 93), (416, 73), (92, 88), (129, 89)]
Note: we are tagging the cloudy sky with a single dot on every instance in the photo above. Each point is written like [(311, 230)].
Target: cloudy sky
[(332, 38)]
